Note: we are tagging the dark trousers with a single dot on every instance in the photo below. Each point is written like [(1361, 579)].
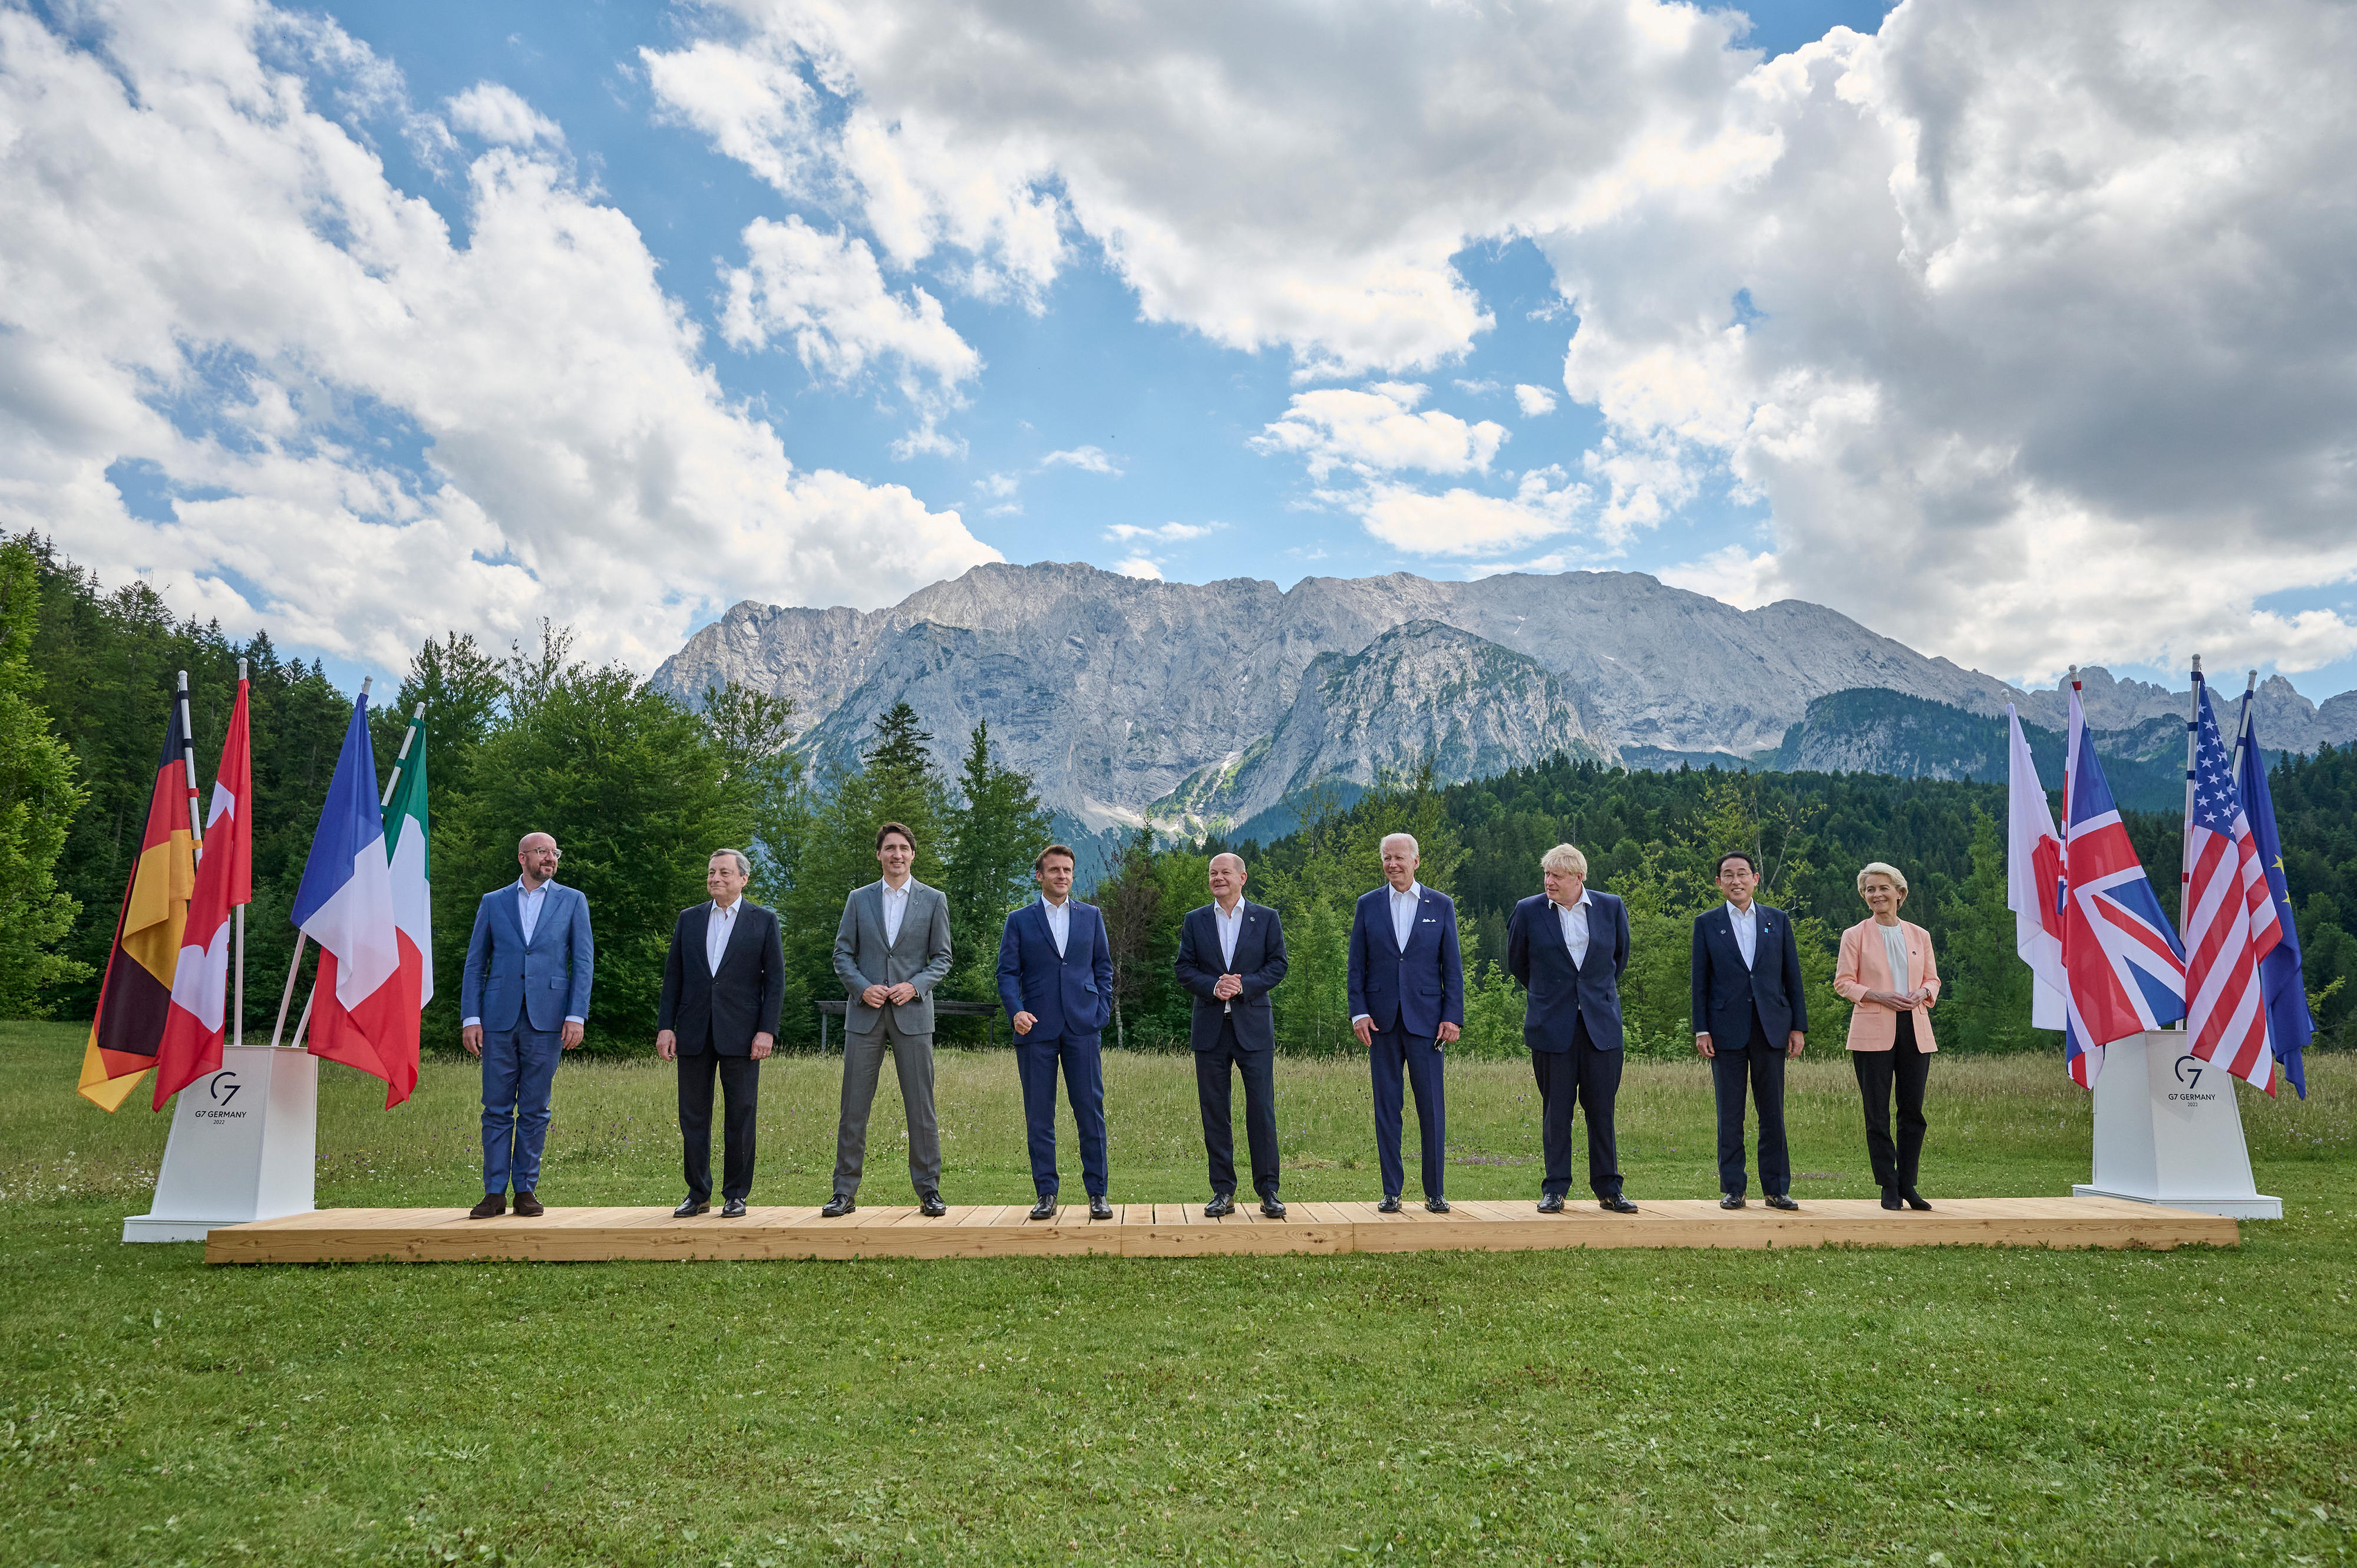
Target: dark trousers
[(1212, 1089), (1906, 1068), (1567, 1079), (1390, 1052), (1036, 1062), (1761, 1065), (740, 1081), (518, 1070)]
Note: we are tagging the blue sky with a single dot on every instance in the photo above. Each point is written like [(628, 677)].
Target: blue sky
[(1615, 286)]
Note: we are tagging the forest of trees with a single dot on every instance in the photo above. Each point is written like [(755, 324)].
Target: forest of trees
[(637, 787)]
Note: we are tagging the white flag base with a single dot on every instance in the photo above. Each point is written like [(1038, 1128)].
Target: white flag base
[(2168, 1132), (244, 1145)]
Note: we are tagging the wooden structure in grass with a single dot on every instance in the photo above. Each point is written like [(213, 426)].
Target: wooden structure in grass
[(1181, 1231)]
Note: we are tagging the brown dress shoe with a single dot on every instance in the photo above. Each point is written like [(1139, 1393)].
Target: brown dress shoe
[(527, 1207), (494, 1204)]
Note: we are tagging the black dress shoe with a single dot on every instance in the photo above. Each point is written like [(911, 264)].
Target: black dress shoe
[(1731, 1200), (1890, 1198), (494, 1204), (1550, 1204), (932, 1207), (837, 1206), (1616, 1204), (1098, 1207), (1436, 1206), (1916, 1200), (733, 1210), (689, 1207), (527, 1206), (1045, 1208), (1390, 1205), (1271, 1206), (1222, 1205), (1779, 1200)]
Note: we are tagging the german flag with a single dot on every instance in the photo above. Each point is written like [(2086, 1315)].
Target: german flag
[(138, 995)]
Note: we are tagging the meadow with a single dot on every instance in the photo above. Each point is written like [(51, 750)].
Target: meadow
[(1944, 1406)]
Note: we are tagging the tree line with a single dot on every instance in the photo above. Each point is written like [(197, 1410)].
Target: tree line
[(638, 787)]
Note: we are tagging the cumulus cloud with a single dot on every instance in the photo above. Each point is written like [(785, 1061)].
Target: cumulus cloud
[(498, 114), (1731, 574), (1374, 430), (366, 433), (1468, 522), (1167, 533), (1533, 400), (1088, 459), (1139, 566)]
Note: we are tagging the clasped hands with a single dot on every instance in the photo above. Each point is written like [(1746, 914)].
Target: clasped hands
[(1899, 1001), (878, 995)]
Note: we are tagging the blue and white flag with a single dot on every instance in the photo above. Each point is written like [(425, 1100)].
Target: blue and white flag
[(2289, 1025)]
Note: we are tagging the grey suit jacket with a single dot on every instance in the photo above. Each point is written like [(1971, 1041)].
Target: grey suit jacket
[(921, 957)]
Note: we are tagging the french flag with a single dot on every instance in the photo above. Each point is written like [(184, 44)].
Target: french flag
[(365, 1007)]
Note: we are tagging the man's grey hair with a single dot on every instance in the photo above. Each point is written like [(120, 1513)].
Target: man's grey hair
[(1389, 837), (1230, 855), (744, 866), (1566, 858)]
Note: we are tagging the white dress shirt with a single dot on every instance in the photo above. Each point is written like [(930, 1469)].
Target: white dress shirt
[(1404, 911), (1231, 926), (1059, 920), (1745, 922), (717, 926), (896, 907), (1573, 919)]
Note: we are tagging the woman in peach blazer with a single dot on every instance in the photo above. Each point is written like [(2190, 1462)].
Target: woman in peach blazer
[(1887, 972)]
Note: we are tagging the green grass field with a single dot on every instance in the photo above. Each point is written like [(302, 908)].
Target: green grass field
[(1940, 1406)]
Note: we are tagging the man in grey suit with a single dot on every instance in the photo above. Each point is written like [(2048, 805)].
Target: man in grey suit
[(891, 950)]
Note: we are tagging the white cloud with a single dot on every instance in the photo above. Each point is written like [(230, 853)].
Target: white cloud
[(497, 114), (1374, 431), (1167, 533), (208, 274), (1466, 523), (1139, 566), (1730, 574), (1088, 459), (1478, 388), (1533, 400)]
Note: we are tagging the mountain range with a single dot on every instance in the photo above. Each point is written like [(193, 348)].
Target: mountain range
[(1209, 706)]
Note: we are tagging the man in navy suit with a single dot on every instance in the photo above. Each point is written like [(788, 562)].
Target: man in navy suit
[(522, 1002), (723, 985), (1055, 977), (1569, 947), (1407, 1002), (1747, 987), (1231, 955)]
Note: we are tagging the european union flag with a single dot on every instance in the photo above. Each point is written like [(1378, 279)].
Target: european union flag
[(2289, 1025)]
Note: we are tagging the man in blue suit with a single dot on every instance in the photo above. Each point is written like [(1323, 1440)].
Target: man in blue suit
[(1055, 977), (1231, 955), (522, 1004), (1747, 987), (1567, 947), (1407, 1001)]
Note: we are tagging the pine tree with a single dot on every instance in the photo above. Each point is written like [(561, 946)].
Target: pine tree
[(38, 797), (995, 831)]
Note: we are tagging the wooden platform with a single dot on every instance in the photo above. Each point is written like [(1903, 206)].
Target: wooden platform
[(1179, 1230)]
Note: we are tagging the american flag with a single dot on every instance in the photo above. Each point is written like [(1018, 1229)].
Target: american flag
[(2230, 914), (2120, 960)]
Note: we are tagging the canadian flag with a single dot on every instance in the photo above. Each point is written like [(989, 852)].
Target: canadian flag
[(192, 1046), (365, 1007)]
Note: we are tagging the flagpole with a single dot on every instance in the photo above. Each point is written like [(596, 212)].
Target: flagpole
[(392, 779), (237, 929), (2185, 826), (188, 764), (286, 997), (2242, 724)]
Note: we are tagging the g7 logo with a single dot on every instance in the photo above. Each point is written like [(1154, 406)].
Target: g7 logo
[(2197, 1064), (223, 1087)]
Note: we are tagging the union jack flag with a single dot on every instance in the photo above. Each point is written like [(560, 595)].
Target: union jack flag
[(2120, 959), (2230, 914)]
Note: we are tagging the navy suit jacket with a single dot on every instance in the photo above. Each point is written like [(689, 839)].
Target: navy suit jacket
[(723, 1012), (508, 982), (1562, 997), (1070, 993), (1259, 962), (1415, 991), (1725, 994)]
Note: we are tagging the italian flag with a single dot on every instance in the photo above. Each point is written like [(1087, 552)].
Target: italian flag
[(405, 838)]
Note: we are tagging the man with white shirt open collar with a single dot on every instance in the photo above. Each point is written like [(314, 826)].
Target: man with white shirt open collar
[(1750, 1015), (1567, 947), (723, 983), (522, 1002), (1055, 978), (1407, 1001), (890, 949)]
